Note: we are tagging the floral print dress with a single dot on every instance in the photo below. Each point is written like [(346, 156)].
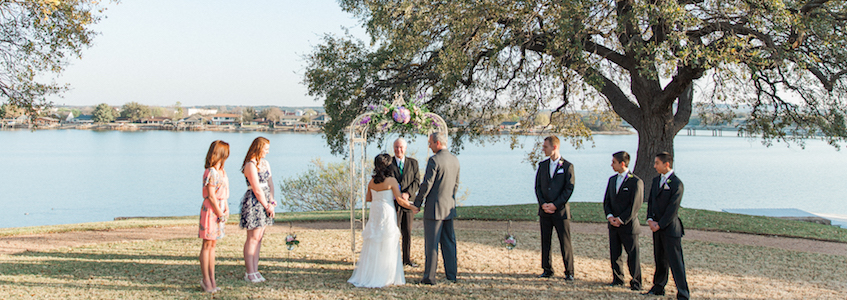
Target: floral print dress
[(210, 228), (253, 215)]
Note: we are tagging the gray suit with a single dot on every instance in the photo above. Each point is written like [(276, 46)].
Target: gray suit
[(438, 192)]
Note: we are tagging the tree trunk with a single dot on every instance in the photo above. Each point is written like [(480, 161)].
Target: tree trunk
[(655, 135)]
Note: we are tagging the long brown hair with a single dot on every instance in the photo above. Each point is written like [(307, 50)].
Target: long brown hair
[(218, 153), (255, 150)]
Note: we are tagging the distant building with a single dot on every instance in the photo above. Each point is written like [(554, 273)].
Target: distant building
[(83, 119), (289, 120), (509, 125), (202, 111), (46, 121), (193, 120), (70, 118), (224, 119), (157, 121), (320, 120)]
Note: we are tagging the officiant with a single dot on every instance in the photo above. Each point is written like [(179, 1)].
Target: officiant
[(405, 170)]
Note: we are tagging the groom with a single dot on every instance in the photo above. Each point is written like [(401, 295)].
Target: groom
[(438, 191)]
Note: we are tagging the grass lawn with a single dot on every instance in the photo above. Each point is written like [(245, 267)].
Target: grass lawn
[(581, 211), (319, 268)]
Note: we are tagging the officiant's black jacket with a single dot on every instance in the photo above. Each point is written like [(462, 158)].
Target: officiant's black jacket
[(410, 181), (625, 202), (556, 190), (663, 206)]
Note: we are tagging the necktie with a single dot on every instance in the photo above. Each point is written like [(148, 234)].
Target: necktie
[(619, 183), (401, 167)]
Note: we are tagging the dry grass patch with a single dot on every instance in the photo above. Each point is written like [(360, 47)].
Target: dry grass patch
[(319, 268)]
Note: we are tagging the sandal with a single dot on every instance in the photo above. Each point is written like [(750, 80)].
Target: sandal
[(251, 277), (203, 286)]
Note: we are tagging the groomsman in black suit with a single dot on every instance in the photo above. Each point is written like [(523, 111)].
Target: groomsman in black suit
[(663, 218), (405, 170), (554, 185), (624, 195)]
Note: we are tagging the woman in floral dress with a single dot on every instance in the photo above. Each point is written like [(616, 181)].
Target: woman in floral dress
[(214, 211), (257, 205)]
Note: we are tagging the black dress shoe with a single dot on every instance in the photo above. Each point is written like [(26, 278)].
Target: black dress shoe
[(546, 275), (426, 282), (569, 278), (411, 264), (653, 293), (635, 288), (615, 284), (453, 281)]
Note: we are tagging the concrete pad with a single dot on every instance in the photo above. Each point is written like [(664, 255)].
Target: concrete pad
[(771, 212)]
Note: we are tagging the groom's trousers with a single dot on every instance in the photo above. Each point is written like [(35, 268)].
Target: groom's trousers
[(439, 232)]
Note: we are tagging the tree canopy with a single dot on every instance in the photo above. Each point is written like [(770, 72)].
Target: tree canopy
[(135, 111), (37, 37), (784, 61), (103, 113)]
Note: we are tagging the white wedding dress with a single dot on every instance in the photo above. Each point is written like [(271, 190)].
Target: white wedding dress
[(380, 263)]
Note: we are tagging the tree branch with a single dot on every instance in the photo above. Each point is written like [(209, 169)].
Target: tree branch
[(610, 55), (621, 104)]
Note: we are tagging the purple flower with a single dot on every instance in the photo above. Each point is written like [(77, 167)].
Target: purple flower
[(401, 115), (371, 107), (365, 120)]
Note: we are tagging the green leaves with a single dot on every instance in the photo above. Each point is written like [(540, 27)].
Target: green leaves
[(36, 39)]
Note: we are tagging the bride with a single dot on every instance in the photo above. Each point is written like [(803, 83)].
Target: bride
[(380, 263)]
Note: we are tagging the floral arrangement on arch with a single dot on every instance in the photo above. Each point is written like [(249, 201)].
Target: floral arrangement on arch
[(400, 116)]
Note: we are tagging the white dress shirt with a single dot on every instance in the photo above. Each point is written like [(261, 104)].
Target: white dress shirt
[(618, 182), (662, 182), (554, 164)]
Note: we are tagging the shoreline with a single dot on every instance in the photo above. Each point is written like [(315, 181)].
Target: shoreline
[(233, 128)]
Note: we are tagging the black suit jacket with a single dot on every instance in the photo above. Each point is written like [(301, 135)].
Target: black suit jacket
[(663, 205), (624, 203), (556, 190), (410, 181)]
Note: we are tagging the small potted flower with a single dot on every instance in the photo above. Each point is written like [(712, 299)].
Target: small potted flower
[(291, 242), (510, 242)]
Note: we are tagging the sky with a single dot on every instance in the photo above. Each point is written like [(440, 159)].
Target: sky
[(158, 52)]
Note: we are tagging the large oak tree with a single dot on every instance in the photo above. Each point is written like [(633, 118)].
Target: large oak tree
[(783, 61), (37, 37)]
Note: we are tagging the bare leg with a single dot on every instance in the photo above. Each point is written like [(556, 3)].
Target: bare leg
[(251, 253), (208, 246), (212, 284), (258, 249)]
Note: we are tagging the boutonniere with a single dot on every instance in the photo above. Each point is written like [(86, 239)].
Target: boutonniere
[(560, 161), (629, 175)]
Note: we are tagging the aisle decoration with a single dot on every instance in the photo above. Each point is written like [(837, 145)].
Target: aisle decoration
[(510, 242)]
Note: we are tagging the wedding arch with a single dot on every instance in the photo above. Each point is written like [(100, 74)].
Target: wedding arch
[(397, 116)]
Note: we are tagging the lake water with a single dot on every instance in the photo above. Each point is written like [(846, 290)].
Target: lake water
[(72, 176)]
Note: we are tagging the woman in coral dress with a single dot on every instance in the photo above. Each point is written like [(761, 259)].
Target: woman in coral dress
[(214, 211)]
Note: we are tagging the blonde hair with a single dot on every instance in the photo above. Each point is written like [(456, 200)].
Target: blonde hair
[(255, 151), (218, 153)]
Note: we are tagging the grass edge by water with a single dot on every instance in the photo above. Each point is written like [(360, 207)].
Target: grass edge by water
[(583, 212)]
